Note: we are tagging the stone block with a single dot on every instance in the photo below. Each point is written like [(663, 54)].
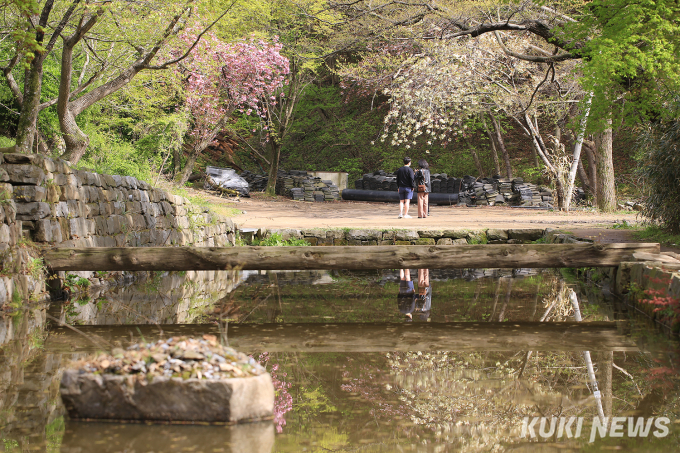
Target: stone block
[(369, 242), (131, 182), (476, 237), (69, 192), (526, 234), (143, 185), (24, 174), (340, 241), (60, 209), (288, 233), (144, 196), (353, 242), (425, 241), (445, 241), (57, 234), (388, 235), (115, 224), (460, 241), (494, 234), (364, 235), (20, 158), (101, 226), (430, 233), (6, 189), (76, 208), (168, 209), (335, 234), (312, 240), (92, 209), (118, 207), (515, 241), (406, 235), (386, 242), (33, 211), (117, 181), (4, 233), (316, 233), (455, 234), (107, 180), (81, 228), (53, 193), (105, 208), (324, 241), (29, 193), (43, 231), (4, 176), (402, 243)]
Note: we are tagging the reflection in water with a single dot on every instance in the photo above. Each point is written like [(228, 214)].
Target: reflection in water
[(438, 401), (411, 301)]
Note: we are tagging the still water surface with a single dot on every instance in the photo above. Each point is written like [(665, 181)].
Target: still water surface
[(348, 377)]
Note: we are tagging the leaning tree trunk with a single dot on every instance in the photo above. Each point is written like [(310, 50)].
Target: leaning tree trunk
[(606, 188), (589, 147), (501, 144), (28, 118), (76, 141)]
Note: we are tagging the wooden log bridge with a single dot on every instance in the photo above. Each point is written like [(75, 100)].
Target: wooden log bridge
[(369, 337), (344, 257), (509, 256)]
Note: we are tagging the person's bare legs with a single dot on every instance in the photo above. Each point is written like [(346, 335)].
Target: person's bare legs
[(407, 202)]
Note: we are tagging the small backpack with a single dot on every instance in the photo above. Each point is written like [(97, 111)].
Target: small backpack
[(420, 181)]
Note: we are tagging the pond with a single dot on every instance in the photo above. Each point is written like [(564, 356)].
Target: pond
[(421, 360)]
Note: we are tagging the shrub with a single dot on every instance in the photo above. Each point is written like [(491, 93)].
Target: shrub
[(660, 170)]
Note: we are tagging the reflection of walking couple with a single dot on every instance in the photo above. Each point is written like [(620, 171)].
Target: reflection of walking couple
[(409, 300)]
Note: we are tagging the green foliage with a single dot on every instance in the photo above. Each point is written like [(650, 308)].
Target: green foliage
[(654, 233), (276, 240), (36, 268), (661, 171), (634, 53), (623, 225)]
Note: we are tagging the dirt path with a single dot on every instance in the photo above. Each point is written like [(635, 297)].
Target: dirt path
[(280, 212)]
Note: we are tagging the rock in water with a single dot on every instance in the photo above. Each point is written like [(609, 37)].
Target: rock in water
[(174, 380)]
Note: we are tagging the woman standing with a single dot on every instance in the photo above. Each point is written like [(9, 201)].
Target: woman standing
[(424, 188)]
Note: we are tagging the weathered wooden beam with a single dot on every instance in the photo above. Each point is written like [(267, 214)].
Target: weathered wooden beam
[(343, 257), (371, 337)]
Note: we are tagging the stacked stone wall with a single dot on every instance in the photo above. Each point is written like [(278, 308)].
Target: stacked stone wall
[(46, 202), (403, 237)]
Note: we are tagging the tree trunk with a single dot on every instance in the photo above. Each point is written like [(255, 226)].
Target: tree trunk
[(576, 157), (584, 177), (370, 337), (176, 161), (606, 189), (592, 168), (501, 144), (494, 151), (188, 167), (275, 148), (503, 256), (478, 164)]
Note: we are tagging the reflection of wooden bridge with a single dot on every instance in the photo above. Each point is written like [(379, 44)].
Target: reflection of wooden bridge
[(373, 337), (344, 257)]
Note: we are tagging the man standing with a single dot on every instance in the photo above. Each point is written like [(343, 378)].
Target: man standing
[(405, 183)]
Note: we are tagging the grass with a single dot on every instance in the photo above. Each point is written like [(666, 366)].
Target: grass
[(624, 225), (654, 233), (276, 240)]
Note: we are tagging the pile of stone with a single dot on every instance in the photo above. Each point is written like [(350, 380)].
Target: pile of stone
[(299, 185), (179, 357), (178, 379), (256, 183)]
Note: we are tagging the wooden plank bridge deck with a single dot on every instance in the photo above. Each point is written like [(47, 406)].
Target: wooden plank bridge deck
[(508, 256)]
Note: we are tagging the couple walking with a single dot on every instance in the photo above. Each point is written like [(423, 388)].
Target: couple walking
[(407, 181)]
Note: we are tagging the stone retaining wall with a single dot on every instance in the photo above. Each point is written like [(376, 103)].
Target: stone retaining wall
[(403, 237), (45, 202)]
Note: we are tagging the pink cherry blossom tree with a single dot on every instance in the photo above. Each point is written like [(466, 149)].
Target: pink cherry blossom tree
[(220, 78)]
